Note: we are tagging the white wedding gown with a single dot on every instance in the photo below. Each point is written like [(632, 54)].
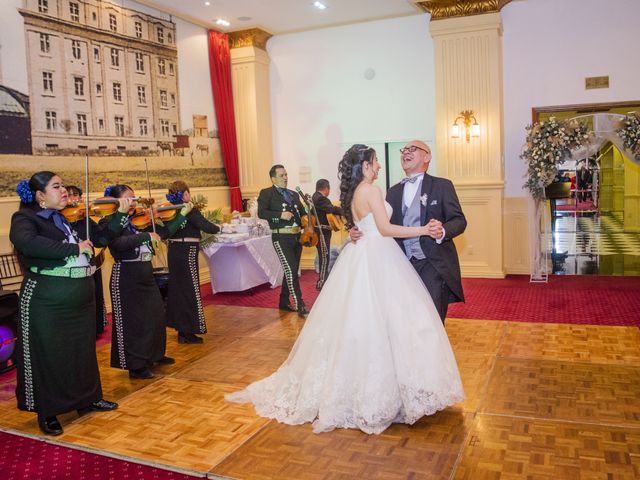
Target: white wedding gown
[(372, 352)]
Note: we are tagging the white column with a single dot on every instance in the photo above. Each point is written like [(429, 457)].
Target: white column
[(252, 108), (468, 66)]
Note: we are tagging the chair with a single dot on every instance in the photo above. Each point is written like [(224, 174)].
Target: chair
[(10, 272), (8, 329), (554, 192)]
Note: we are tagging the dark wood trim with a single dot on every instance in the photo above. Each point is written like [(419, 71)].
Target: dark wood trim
[(582, 108)]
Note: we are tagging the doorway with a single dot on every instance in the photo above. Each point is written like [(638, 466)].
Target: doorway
[(593, 206)]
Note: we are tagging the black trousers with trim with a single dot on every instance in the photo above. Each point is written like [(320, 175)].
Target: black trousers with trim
[(324, 250), (289, 251)]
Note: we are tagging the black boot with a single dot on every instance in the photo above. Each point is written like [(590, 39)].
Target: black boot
[(189, 338), (141, 373), (165, 361), (49, 425), (101, 405)]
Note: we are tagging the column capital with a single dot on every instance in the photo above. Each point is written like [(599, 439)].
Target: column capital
[(440, 9), (253, 37)]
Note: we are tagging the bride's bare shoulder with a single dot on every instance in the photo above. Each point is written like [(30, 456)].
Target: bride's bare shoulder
[(368, 189)]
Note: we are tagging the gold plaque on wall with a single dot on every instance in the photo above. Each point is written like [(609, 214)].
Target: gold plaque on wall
[(596, 82)]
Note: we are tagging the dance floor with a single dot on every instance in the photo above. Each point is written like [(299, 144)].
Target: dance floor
[(544, 401)]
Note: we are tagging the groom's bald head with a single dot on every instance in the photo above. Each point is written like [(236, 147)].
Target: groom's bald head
[(415, 157)]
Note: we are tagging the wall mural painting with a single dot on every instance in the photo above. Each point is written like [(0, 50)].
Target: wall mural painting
[(102, 82)]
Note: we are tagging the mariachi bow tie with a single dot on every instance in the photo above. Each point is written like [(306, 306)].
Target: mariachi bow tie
[(286, 194)]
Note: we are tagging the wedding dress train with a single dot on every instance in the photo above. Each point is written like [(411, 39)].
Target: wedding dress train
[(372, 352)]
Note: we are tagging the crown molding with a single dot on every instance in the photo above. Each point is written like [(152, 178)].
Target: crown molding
[(252, 37), (439, 9)]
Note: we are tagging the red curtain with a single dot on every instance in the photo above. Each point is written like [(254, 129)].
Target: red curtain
[(220, 67)]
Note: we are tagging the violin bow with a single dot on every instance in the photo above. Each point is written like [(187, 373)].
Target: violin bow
[(153, 220), (86, 193)]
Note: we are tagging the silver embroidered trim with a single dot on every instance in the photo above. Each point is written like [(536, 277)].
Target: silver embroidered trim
[(193, 269), (25, 307), (288, 276), (324, 258), (116, 306)]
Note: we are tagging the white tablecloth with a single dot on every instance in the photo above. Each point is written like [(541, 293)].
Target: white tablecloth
[(235, 267)]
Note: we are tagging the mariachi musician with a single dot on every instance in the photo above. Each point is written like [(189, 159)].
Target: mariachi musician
[(324, 207), (57, 365), (284, 211), (184, 305), (138, 334), (75, 198)]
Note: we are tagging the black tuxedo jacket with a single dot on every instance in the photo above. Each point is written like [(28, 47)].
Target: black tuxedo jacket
[(271, 204), (441, 202), (323, 206)]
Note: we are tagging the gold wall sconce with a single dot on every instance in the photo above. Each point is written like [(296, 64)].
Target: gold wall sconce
[(471, 125)]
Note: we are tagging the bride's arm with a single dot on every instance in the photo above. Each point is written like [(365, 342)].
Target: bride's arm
[(385, 227)]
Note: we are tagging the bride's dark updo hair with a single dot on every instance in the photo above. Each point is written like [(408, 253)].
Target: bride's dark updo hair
[(350, 175)]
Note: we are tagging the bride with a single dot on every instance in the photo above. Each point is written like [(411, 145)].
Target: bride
[(373, 350)]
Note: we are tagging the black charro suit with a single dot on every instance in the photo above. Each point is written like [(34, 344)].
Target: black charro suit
[(271, 204), (323, 207), (440, 270)]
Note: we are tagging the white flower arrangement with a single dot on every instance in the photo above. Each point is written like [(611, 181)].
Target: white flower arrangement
[(630, 134), (548, 143), (423, 199)]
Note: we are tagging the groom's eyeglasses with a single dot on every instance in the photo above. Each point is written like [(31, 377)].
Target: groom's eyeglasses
[(412, 149)]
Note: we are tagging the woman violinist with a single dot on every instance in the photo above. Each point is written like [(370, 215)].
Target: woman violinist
[(57, 366), (75, 199), (138, 334), (184, 305)]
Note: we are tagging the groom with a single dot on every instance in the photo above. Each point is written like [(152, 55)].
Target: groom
[(420, 199)]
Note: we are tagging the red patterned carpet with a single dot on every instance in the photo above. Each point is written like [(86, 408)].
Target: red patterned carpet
[(579, 299), (27, 458)]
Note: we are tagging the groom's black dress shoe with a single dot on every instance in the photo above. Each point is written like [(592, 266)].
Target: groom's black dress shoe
[(101, 405), (49, 425)]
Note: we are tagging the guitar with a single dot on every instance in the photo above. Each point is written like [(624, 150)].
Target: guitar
[(336, 222)]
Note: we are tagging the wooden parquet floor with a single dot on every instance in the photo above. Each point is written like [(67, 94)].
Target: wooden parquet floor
[(544, 401)]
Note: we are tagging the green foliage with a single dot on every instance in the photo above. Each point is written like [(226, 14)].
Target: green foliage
[(214, 216)]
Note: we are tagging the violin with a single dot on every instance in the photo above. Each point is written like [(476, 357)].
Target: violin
[(309, 235), (165, 212), (100, 207)]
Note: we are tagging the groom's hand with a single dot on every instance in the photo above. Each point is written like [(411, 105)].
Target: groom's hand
[(355, 234), (434, 229)]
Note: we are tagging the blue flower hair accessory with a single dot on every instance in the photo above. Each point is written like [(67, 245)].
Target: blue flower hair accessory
[(24, 192), (108, 190), (175, 198)]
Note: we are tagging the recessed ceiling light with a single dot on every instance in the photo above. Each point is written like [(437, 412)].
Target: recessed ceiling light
[(207, 3), (244, 19), (319, 5), (222, 22)]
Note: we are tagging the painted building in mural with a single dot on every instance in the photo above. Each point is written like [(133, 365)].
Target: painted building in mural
[(15, 128), (102, 78)]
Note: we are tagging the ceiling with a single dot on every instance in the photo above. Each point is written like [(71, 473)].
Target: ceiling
[(282, 16)]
